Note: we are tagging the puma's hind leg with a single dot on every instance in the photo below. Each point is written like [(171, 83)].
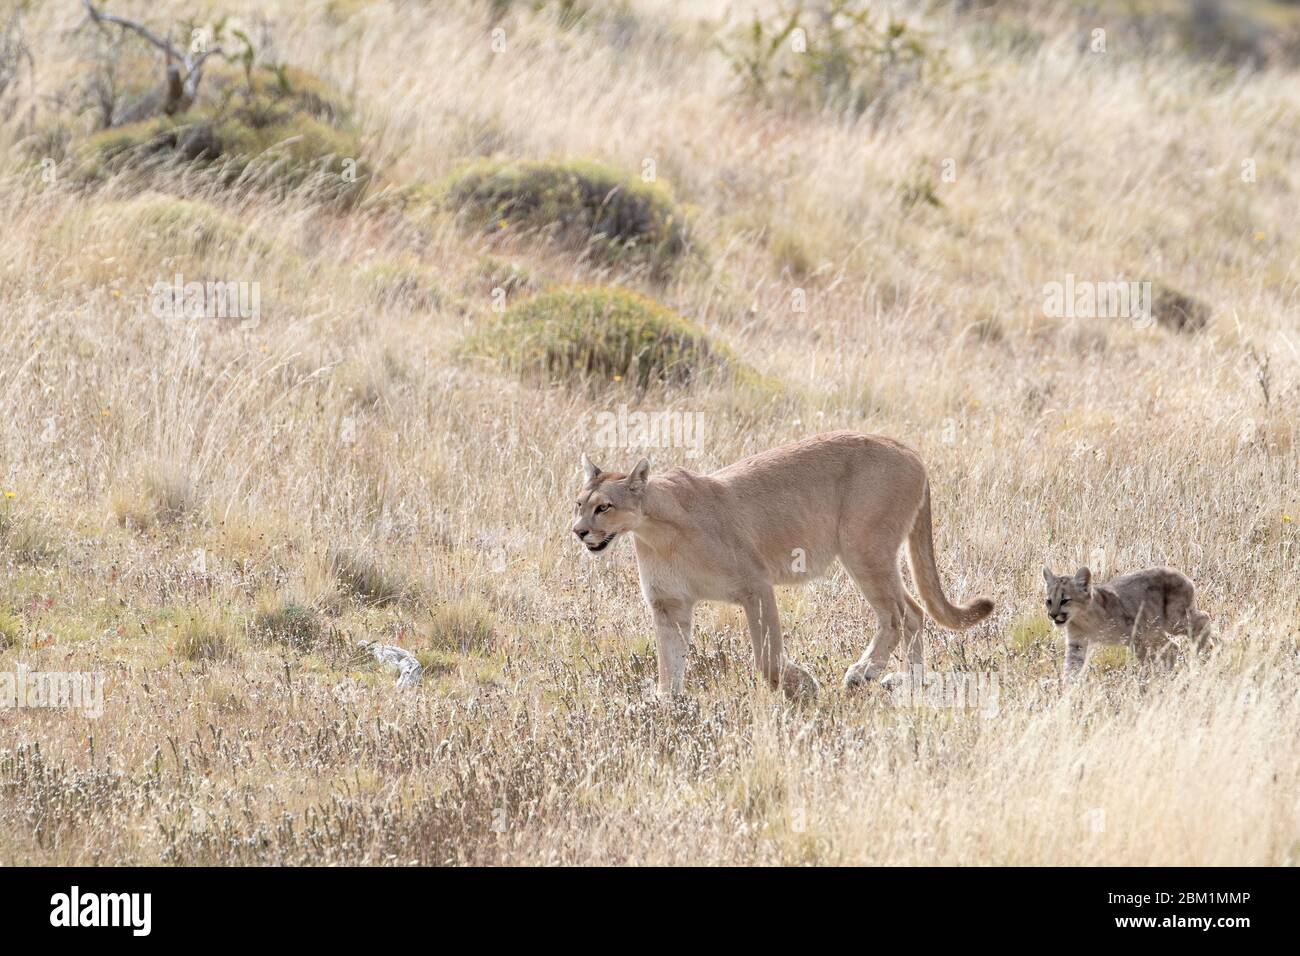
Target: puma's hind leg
[(913, 648), (898, 617)]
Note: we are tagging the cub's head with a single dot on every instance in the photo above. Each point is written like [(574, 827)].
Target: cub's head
[(1067, 596), (608, 504)]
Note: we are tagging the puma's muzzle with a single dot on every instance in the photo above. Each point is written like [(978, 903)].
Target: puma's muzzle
[(602, 544)]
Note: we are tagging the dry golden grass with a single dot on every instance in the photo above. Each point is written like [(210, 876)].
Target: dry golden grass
[(180, 484)]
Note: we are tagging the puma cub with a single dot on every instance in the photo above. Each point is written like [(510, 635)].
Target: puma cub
[(1139, 610)]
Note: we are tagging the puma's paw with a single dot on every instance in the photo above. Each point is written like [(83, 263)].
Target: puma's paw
[(898, 679), (859, 675), (798, 684)]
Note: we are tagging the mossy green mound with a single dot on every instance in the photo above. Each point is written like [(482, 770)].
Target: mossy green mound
[(276, 128), (578, 203), (179, 224), (594, 334), (288, 623)]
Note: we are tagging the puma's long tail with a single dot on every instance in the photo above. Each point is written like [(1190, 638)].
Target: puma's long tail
[(920, 554)]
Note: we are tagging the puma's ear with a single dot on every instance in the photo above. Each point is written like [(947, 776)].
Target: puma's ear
[(1047, 574), (1083, 577), (636, 481), (589, 468)]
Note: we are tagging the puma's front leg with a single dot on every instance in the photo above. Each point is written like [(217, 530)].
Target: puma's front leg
[(672, 634), (769, 651), (1076, 651)]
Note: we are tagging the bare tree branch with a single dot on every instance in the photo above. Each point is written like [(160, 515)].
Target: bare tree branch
[(13, 53), (179, 91), (100, 18)]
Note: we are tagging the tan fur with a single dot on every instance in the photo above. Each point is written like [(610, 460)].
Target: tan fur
[(778, 517), (1140, 610)]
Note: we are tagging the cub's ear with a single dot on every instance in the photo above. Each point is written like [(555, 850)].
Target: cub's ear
[(1083, 577), (589, 468), (636, 481), (1047, 574)]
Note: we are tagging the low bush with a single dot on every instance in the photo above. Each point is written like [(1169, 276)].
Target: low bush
[(1178, 311), (841, 56), (288, 623), (580, 204), (595, 334), (270, 127)]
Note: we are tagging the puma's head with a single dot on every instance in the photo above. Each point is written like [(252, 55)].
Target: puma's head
[(608, 504), (1067, 596)]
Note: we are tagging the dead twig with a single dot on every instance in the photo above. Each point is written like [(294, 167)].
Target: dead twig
[(180, 90)]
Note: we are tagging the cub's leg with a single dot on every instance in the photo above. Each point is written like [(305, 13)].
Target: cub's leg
[(1076, 653), (672, 634), (896, 614), (1196, 626), (769, 651), (1158, 649), (1200, 631)]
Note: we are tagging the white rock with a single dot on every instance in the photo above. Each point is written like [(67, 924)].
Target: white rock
[(408, 668)]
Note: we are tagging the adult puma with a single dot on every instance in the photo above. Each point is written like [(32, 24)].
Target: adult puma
[(778, 517)]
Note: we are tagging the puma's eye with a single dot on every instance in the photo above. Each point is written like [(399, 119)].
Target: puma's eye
[(602, 509), (1064, 601), (1047, 603)]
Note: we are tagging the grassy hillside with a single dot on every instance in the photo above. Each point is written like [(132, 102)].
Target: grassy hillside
[(213, 510)]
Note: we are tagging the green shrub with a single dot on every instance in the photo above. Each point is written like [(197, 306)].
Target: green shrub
[(577, 203), (510, 277), (272, 89), (592, 334), (190, 224), (289, 623), (1178, 311), (275, 128), (841, 56)]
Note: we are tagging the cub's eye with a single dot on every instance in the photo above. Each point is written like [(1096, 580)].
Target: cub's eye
[(600, 510), (1064, 601), (1047, 603)]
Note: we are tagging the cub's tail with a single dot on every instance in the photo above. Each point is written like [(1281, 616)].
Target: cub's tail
[(920, 554)]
